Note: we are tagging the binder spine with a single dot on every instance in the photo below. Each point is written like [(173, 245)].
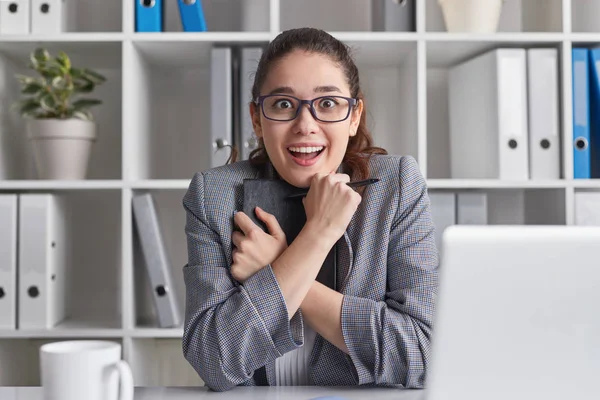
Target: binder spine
[(149, 15), (15, 17), (594, 145), (8, 260), (512, 121), (542, 77), (221, 112), (41, 261), (249, 63), (51, 16), (581, 117), (192, 15), (156, 261)]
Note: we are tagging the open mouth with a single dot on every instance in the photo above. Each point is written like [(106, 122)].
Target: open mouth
[(306, 153)]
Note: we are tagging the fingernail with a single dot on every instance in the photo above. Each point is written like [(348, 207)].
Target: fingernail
[(234, 212)]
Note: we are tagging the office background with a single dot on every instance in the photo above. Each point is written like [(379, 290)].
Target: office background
[(154, 134)]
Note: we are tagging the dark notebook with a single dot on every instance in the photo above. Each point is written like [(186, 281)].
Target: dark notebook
[(271, 196)]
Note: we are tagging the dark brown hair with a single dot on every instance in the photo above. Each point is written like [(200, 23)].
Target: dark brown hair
[(360, 146)]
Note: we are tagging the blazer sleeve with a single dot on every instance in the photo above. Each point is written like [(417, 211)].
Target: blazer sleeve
[(230, 330), (389, 341)]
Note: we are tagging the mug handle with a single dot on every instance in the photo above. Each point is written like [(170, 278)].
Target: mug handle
[(125, 380)]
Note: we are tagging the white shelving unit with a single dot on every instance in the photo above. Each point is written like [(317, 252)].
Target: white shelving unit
[(154, 135)]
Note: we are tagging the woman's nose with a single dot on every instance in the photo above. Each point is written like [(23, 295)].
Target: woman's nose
[(305, 122)]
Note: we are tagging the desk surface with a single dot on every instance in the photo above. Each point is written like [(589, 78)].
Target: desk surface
[(250, 393)]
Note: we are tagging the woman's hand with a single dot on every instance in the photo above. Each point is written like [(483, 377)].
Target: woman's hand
[(330, 204), (254, 249)]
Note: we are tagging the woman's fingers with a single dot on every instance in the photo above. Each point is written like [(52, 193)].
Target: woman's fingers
[(271, 222)]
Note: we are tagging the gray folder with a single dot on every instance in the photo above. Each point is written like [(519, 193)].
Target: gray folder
[(393, 15), (221, 105), (9, 209), (156, 260), (250, 56)]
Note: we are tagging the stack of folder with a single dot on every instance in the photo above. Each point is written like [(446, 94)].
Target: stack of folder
[(504, 115), (150, 15), (232, 70), (36, 16)]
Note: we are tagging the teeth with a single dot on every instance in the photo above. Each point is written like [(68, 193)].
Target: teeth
[(306, 149)]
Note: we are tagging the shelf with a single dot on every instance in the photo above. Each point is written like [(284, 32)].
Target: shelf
[(163, 183), (446, 53), (162, 333), (493, 184), (499, 37), (65, 37), (376, 36), (585, 183), (228, 37), (60, 185), (69, 329)]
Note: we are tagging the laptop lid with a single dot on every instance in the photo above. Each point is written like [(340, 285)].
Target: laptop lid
[(517, 314)]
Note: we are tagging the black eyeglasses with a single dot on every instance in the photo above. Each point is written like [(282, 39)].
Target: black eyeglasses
[(278, 107)]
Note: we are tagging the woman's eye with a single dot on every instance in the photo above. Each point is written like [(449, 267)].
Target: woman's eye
[(327, 103), (283, 104)]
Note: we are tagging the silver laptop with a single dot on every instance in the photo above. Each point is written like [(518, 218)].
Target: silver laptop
[(517, 314)]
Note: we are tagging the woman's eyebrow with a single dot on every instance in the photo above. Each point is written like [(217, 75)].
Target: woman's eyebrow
[(318, 89), (327, 89), (282, 89)]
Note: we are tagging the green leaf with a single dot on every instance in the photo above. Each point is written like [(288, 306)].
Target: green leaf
[(32, 88), (54, 70), (28, 106), (85, 103), (47, 103), (39, 57), (84, 86), (94, 76), (76, 73), (59, 83), (25, 80), (63, 60)]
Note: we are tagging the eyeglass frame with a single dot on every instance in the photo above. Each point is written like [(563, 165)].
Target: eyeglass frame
[(352, 102)]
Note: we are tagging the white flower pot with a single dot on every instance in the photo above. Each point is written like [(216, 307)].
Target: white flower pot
[(472, 16), (61, 148)]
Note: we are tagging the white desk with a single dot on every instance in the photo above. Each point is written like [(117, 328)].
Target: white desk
[(246, 393)]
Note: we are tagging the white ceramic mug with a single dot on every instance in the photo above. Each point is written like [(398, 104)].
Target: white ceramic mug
[(85, 369)]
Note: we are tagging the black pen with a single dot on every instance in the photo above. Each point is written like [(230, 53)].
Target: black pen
[(351, 184)]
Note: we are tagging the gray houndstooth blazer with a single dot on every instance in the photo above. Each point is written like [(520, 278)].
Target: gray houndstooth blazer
[(387, 270)]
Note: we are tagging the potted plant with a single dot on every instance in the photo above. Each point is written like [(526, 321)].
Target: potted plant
[(60, 127)]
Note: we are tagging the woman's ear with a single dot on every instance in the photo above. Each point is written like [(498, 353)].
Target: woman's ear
[(355, 117), (255, 116)]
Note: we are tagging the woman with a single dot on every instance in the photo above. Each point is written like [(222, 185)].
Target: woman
[(255, 315)]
